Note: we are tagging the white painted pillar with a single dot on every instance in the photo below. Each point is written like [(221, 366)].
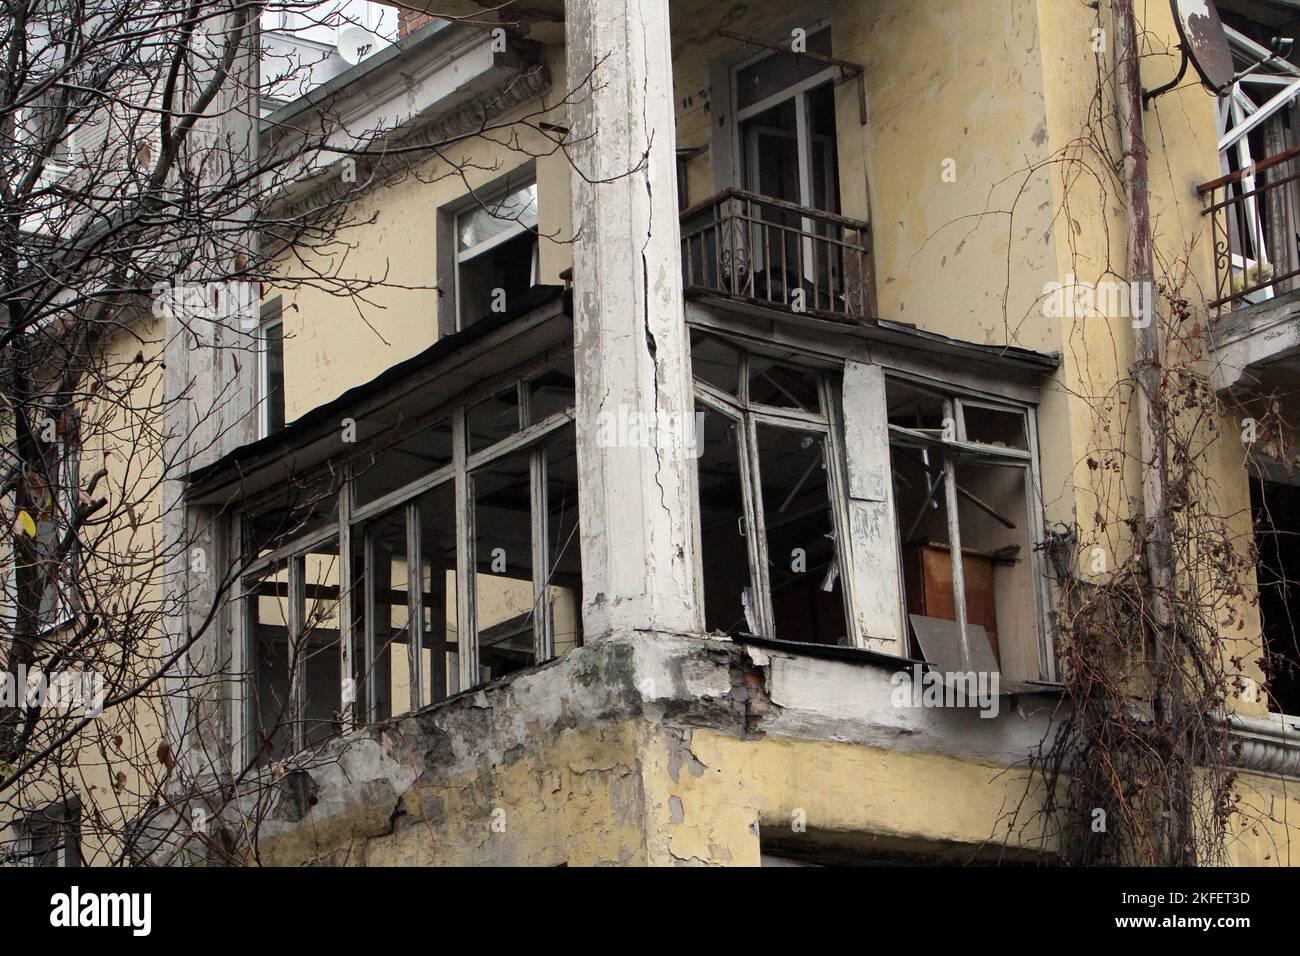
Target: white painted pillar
[(631, 350)]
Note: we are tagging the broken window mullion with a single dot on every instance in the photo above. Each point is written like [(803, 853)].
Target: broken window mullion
[(348, 690), (788, 417), (716, 398), (757, 527), (955, 555), (542, 634), (297, 598), (466, 569), (414, 605)]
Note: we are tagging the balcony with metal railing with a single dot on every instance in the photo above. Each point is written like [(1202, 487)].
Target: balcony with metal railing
[(1255, 230), (1254, 214), (765, 251)]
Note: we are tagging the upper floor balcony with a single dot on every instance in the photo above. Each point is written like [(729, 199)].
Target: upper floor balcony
[(772, 252), (1254, 214)]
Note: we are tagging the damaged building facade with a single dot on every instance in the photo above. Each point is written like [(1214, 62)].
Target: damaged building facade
[(736, 430)]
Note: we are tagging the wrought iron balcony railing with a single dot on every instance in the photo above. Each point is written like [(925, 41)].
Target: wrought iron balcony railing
[(777, 253), (1255, 215)]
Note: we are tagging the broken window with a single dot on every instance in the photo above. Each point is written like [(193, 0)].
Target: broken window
[(316, 644), (293, 614), (386, 675), (550, 393), (563, 570), (298, 507), (423, 570), (493, 419), (503, 555), (799, 527), (728, 595), (496, 253), (963, 486), (437, 644), (419, 452), (272, 711), (765, 475)]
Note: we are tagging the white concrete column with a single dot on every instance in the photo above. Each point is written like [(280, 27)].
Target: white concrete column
[(631, 351)]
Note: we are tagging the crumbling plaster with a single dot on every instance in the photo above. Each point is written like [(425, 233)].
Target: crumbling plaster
[(646, 748)]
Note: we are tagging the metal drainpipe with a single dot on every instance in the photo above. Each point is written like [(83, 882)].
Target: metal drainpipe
[(1151, 410)]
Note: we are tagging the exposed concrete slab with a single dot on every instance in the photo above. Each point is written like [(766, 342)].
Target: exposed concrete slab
[(1246, 340)]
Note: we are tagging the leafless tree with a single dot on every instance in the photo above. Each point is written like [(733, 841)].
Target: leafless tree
[(144, 206)]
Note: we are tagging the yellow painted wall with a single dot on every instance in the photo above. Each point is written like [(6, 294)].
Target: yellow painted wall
[(1003, 90), (119, 432), (334, 343)]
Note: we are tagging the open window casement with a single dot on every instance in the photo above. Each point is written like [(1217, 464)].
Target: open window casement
[(873, 539)]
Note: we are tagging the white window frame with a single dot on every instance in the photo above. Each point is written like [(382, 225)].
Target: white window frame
[(512, 231), (955, 401), (353, 520), (803, 133), (68, 466), (748, 415), (54, 169), (67, 818), (274, 318)]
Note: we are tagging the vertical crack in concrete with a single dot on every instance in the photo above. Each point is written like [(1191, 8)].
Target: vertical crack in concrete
[(651, 344)]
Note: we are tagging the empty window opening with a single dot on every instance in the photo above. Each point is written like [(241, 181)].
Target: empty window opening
[(386, 673), (1276, 508), (418, 452), (728, 593), (272, 708), (496, 254), (493, 419), (503, 550), (803, 569), (963, 482), (563, 545), (770, 524)]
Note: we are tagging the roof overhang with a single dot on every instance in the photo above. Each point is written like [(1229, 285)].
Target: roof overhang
[(877, 341), (407, 390), (442, 81)]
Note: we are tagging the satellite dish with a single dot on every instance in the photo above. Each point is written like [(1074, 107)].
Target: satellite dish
[(356, 43), (1204, 42)]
